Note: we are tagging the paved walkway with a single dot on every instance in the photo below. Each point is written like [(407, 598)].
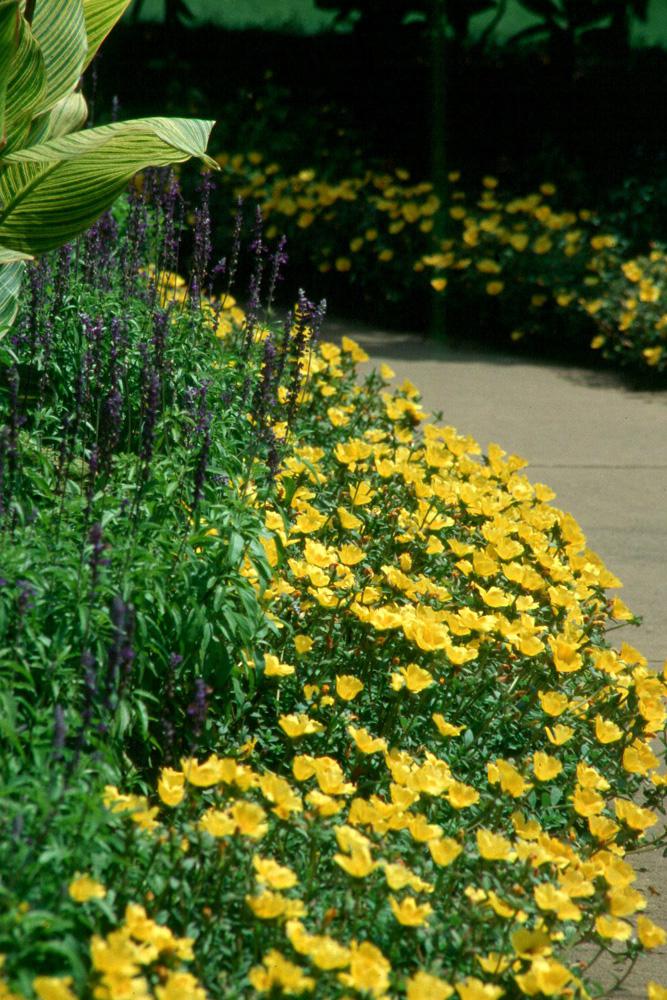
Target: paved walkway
[(603, 448)]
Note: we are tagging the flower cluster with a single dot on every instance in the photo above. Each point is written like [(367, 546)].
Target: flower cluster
[(533, 269)]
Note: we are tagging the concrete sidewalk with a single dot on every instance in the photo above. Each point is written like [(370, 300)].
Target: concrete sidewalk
[(603, 448)]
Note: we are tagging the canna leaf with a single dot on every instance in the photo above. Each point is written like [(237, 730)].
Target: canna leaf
[(51, 192), (59, 27), (11, 275), (26, 85), (100, 17), (68, 115), (8, 25)]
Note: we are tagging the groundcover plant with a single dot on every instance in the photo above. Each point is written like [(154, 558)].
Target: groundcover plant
[(302, 694)]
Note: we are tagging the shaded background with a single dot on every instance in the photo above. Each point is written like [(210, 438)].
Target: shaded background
[(507, 92)]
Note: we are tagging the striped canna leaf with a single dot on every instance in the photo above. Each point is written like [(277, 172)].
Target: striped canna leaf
[(51, 192)]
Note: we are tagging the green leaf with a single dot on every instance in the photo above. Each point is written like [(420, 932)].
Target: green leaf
[(60, 28), (53, 191), (26, 85), (11, 275), (8, 21), (68, 115), (100, 17)]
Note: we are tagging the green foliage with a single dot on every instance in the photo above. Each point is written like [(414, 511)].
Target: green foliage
[(348, 726), (53, 183)]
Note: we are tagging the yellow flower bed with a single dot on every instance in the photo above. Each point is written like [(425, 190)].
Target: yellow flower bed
[(447, 766)]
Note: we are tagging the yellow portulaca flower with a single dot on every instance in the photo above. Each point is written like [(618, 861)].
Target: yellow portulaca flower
[(423, 986), (446, 728), (545, 767), (493, 846), (273, 667), (548, 897), (649, 934), (559, 734), (553, 702), (271, 873), (47, 988), (365, 742), (409, 912), (611, 927), (545, 976), (444, 850), (296, 725), (348, 686), (369, 969), (474, 989), (83, 888), (277, 971)]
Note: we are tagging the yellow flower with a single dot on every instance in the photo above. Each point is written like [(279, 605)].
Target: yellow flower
[(446, 728), (273, 667), (217, 823), (274, 875), (249, 818), (460, 795), (83, 888), (343, 264), (270, 905), (566, 658), (351, 347), (348, 686), (325, 805), (361, 493), (474, 989), (652, 355), (492, 846), (654, 991), (546, 767), (530, 943), (650, 935), (439, 284), (276, 971), (171, 786), (586, 801), (48, 988), (365, 742), (510, 779), (611, 927), (299, 725), (624, 901), (410, 913), (602, 827), (559, 734), (444, 850), (638, 758), (553, 702), (423, 986), (545, 976), (350, 554), (369, 969), (358, 864), (180, 986), (303, 644), (323, 950), (494, 287), (203, 775), (415, 678), (548, 897), (632, 814)]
